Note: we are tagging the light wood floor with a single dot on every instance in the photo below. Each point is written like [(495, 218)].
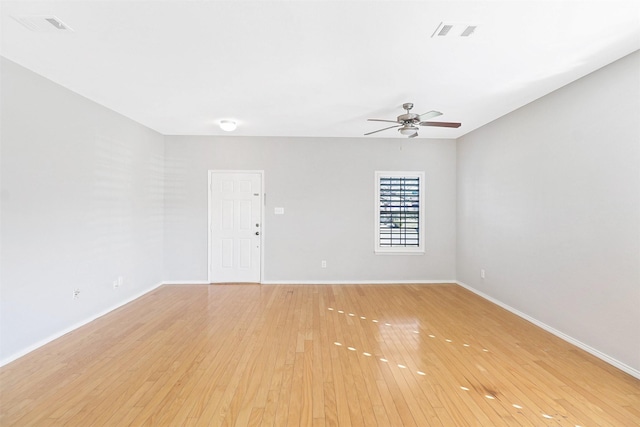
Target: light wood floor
[(424, 355)]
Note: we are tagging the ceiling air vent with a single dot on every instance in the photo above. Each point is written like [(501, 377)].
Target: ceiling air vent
[(444, 30), (468, 31), (454, 29), (43, 23)]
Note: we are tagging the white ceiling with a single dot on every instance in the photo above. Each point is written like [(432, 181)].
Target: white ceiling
[(317, 68)]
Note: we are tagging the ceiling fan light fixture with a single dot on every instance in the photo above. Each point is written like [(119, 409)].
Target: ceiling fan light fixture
[(228, 125), (408, 130)]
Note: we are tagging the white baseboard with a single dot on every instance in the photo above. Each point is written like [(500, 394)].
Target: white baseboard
[(323, 282), (58, 334), (356, 282), (186, 282), (600, 355)]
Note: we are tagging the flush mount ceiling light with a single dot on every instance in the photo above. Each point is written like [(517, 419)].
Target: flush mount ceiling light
[(228, 125)]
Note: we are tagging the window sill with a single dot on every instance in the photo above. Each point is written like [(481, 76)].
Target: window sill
[(400, 252)]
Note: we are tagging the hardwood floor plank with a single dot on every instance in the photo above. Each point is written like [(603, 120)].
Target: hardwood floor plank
[(316, 366), (269, 413), (330, 407), (391, 410), (255, 419)]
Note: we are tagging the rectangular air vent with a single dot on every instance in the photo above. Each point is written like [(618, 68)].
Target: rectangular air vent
[(454, 29), (445, 30), (43, 23), (468, 31)]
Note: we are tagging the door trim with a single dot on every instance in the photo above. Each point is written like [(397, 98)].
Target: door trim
[(262, 217)]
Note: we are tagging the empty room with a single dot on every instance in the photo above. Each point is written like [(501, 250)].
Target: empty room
[(319, 213)]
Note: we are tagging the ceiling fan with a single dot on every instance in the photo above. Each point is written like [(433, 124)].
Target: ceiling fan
[(408, 122)]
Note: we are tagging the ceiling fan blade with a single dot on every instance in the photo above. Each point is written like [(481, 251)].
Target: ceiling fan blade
[(441, 124), (430, 115), (382, 120), (413, 135), (380, 130)]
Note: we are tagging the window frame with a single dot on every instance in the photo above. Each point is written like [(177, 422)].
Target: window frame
[(400, 250)]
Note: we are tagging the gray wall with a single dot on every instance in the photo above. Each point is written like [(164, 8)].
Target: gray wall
[(82, 203), (326, 186), (549, 206)]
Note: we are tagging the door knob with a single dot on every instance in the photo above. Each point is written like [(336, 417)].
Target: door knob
[(257, 233)]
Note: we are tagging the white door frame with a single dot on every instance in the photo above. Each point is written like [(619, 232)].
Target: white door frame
[(262, 224)]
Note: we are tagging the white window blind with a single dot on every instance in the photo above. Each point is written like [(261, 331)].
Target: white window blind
[(399, 212)]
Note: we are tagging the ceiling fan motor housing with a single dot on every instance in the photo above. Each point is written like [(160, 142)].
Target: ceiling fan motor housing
[(408, 118)]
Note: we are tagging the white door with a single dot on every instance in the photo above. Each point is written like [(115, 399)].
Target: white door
[(235, 226)]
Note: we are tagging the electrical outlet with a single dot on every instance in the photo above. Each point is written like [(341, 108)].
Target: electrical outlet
[(76, 293), (324, 264), (116, 284), (482, 273)]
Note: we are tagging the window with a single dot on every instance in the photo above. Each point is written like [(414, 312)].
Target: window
[(399, 212)]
